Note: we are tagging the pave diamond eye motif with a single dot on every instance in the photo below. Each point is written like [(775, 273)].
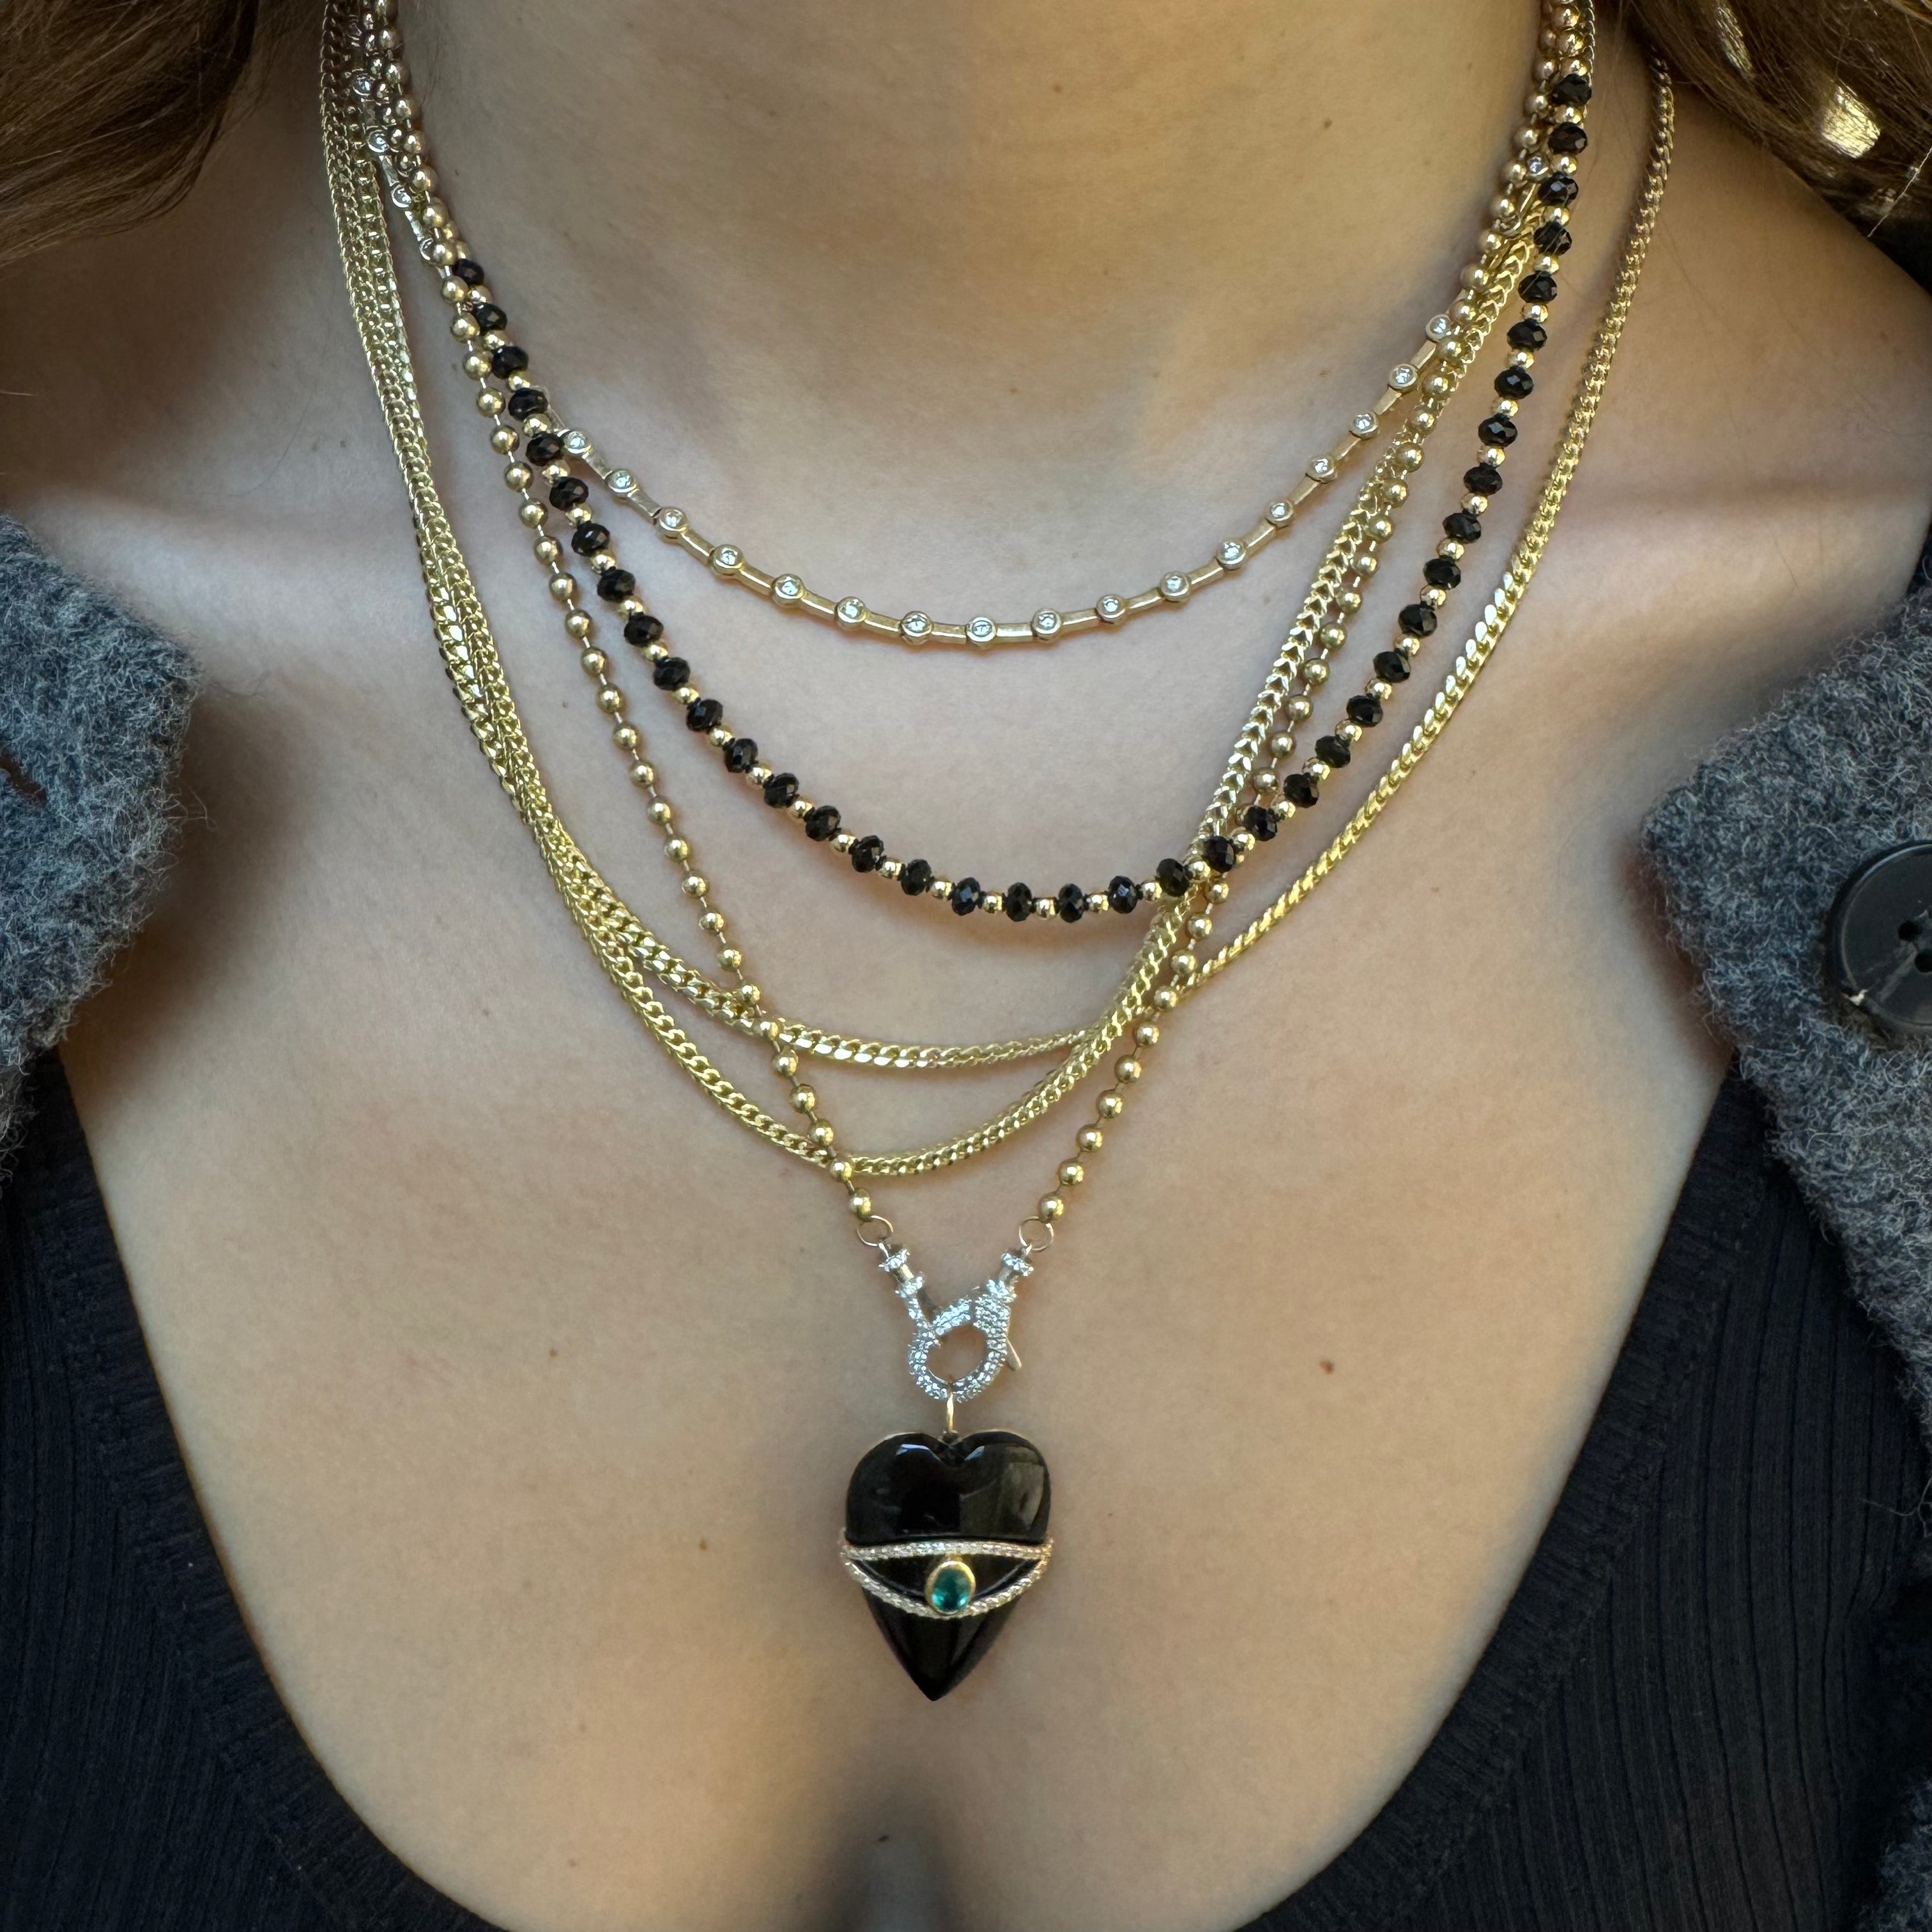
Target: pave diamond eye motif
[(990, 1312)]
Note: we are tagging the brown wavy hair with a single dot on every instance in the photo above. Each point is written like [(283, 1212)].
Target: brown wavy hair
[(109, 107)]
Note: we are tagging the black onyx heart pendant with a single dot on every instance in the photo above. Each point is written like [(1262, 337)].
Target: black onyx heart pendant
[(943, 1533)]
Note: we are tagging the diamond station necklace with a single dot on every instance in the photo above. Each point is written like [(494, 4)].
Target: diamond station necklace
[(943, 1533)]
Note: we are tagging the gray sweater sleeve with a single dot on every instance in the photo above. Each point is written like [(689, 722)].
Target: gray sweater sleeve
[(1751, 854), (93, 707)]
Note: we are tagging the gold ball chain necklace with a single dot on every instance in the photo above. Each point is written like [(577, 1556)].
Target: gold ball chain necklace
[(943, 1533)]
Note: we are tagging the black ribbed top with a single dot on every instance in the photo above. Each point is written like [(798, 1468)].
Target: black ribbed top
[(1709, 1684)]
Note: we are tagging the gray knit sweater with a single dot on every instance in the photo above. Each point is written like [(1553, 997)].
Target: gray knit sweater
[(1750, 854)]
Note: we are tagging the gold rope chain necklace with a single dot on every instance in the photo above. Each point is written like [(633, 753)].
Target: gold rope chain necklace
[(988, 1495)]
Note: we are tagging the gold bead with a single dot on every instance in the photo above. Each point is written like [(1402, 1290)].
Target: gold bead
[(1128, 1070), (840, 1170), (712, 921), (822, 1135), (749, 994), (643, 775), (503, 439), (803, 1100), (1089, 1140), (1110, 1106), (729, 957), (1166, 998), (593, 661), (531, 514), (1072, 1173), (1201, 926), (577, 623), (785, 1065), (676, 850), (489, 402), (1186, 965), (476, 366), (861, 1207), (1218, 892), (660, 811), (625, 738), (1051, 1207), (769, 1029), (609, 700), (517, 475), (1147, 1034), (695, 885)]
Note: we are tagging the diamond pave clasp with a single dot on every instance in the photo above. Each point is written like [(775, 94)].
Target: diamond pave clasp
[(990, 1312)]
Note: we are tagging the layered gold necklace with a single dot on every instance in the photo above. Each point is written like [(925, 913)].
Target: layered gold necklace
[(944, 1532)]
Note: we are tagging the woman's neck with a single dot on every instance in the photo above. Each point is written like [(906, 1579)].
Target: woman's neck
[(931, 233)]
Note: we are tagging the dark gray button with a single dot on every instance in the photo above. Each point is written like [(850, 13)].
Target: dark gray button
[(1878, 942)]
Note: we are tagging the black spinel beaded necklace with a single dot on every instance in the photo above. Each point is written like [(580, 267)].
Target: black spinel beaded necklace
[(1272, 796), (1275, 797)]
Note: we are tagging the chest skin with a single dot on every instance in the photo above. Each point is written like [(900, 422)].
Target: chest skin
[(520, 1386)]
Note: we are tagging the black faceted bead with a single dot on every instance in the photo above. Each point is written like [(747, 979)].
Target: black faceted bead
[(1554, 238), (1539, 286), (821, 822), (781, 788), (546, 446), (1123, 895), (1365, 708), (1017, 903), (467, 271), (667, 673), (1070, 902), (1301, 788), (1572, 91), (567, 492), (915, 875), (1263, 820), (487, 315), (1219, 852), (508, 360), (1333, 750), (1444, 572), (1418, 620), (741, 754), (1528, 335), (1566, 138), (1173, 876), (1514, 383), (527, 402), (1464, 525), (587, 539), (614, 586), (1501, 431), (1391, 666), (703, 714), (965, 897), (1485, 478), (643, 629), (866, 853), (1558, 191)]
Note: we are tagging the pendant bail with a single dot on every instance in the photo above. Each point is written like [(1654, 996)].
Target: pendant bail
[(990, 1312)]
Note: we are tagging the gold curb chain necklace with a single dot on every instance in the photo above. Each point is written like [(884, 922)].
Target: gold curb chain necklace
[(944, 1533)]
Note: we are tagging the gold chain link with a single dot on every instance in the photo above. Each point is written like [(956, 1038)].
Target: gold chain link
[(630, 955)]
